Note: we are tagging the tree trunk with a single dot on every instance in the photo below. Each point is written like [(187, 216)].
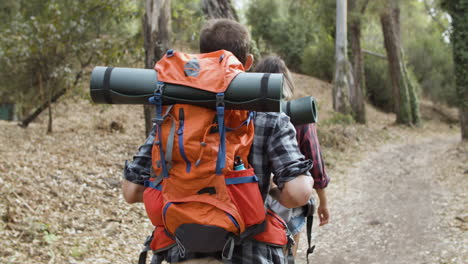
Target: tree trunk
[(413, 97), (459, 38), (343, 80), (357, 100), (157, 34), (49, 97), (26, 121), (219, 9), (393, 47)]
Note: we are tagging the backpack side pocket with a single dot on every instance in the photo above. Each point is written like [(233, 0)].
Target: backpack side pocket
[(243, 189), (275, 232), (153, 200)]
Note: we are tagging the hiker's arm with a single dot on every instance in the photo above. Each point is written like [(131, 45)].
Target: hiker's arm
[(295, 193), (132, 192), (310, 147), (290, 168), (137, 171), (322, 210)]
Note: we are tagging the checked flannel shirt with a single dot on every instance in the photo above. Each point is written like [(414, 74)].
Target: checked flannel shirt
[(274, 151), (309, 145), (308, 142)]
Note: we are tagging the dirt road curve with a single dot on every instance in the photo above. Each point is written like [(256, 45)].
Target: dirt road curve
[(404, 203)]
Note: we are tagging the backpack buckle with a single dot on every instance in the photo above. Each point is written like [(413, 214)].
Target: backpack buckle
[(220, 100), (170, 53), (159, 89), (157, 120)]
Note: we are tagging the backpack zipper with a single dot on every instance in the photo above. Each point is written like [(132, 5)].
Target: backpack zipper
[(233, 220), (180, 133)]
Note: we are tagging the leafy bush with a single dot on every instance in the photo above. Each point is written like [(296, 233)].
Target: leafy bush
[(318, 59), (429, 54), (46, 46), (288, 27), (378, 83), (187, 19), (431, 61), (339, 119)]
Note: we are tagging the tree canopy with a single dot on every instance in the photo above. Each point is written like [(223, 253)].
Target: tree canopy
[(46, 45)]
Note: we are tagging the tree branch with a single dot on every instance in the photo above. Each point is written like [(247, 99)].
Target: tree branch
[(375, 54), (26, 121)]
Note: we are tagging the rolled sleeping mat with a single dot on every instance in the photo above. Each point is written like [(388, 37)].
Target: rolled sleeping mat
[(248, 91), (301, 111)]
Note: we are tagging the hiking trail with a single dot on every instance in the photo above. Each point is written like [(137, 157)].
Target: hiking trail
[(398, 204)]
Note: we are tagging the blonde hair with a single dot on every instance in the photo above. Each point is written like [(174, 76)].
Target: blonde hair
[(274, 64)]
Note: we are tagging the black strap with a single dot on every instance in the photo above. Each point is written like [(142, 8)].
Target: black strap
[(310, 249), (264, 86), (290, 254), (288, 108), (144, 252), (253, 230), (143, 256), (106, 84), (291, 259)]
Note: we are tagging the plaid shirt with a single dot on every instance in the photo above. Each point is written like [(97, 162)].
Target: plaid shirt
[(274, 150), (309, 145)]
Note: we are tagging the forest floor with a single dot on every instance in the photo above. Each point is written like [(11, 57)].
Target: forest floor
[(398, 194)]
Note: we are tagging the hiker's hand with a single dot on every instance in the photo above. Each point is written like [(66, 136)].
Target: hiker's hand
[(322, 210), (323, 214)]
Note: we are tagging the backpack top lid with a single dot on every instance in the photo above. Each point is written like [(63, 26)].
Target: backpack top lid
[(212, 72)]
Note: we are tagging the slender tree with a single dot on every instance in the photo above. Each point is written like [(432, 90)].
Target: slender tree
[(458, 10), (356, 9), (157, 34), (219, 9), (343, 82), (405, 98)]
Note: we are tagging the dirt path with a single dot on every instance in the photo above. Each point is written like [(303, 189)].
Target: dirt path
[(398, 205)]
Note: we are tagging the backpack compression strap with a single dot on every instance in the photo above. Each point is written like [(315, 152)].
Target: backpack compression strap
[(157, 100), (221, 160)]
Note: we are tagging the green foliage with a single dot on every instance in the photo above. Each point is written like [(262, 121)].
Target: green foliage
[(378, 83), (458, 10), (288, 27), (187, 19), (339, 119), (46, 45), (318, 59), (78, 251), (49, 238), (429, 56), (264, 17)]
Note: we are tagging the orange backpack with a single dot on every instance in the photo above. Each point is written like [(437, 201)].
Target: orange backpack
[(201, 198)]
